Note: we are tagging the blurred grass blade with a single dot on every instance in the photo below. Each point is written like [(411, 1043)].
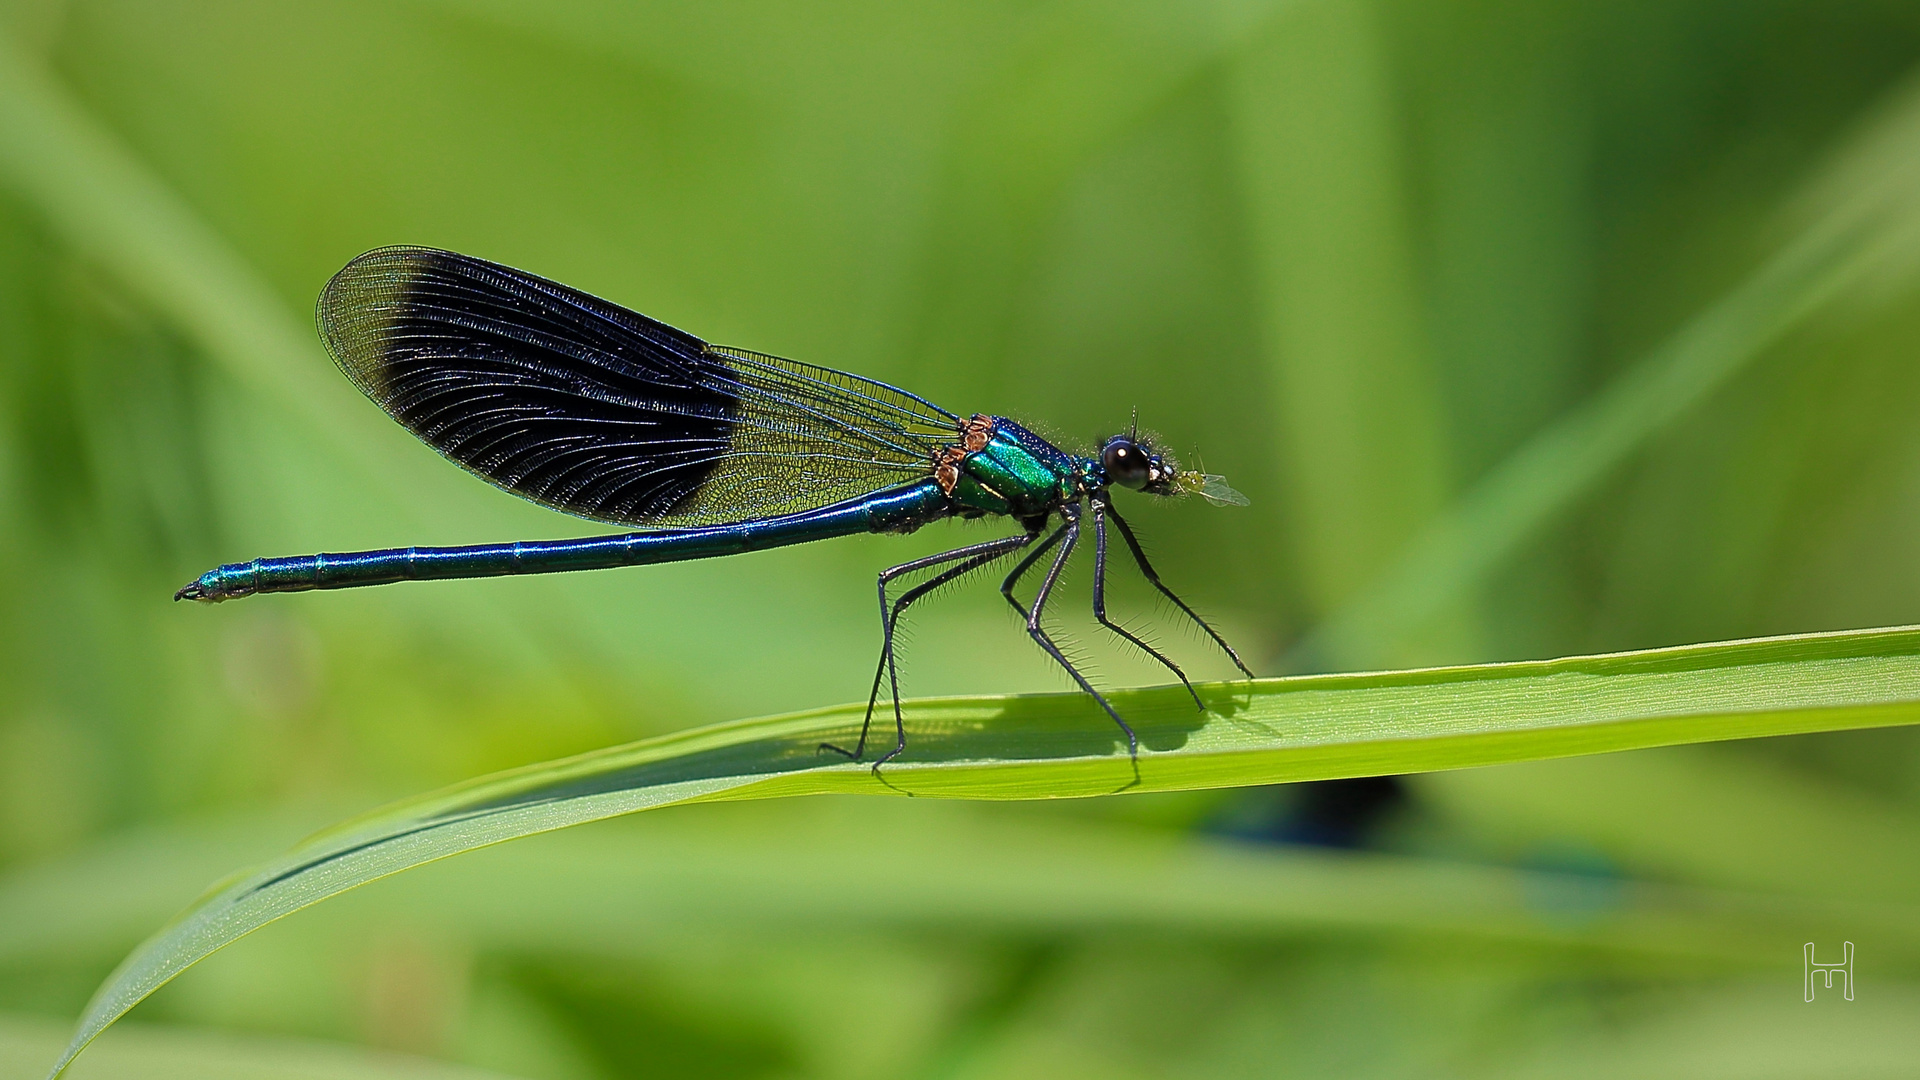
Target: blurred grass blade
[(1743, 1029), (184, 1053), (112, 208), (1051, 746), (109, 206), (1358, 412), (99, 197), (1862, 232), (799, 867)]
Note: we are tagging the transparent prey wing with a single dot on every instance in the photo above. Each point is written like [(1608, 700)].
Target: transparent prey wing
[(1215, 490), (587, 407)]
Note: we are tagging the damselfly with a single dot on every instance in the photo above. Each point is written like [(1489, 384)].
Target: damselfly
[(583, 406)]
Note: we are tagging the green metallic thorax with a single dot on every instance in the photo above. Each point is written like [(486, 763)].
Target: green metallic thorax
[(1017, 473)]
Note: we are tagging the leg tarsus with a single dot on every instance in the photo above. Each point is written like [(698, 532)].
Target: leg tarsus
[(1068, 534), (971, 557), (1146, 570), (1100, 509)]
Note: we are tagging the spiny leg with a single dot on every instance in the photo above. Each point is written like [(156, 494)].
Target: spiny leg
[(1100, 509), (1020, 569), (1146, 570), (972, 557), (889, 612), (889, 658), (886, 628), (1068, 535)]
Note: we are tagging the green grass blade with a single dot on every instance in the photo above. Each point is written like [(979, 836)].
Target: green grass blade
[(1724, 821), (1053, 746), (758, 868), (1552, 471), (1857, 236), (1358, 415), (1742, 1029), (179, 1053), (101, 198), (109, 205)]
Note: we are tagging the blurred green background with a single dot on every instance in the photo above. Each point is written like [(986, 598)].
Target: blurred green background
[(1366, 259)]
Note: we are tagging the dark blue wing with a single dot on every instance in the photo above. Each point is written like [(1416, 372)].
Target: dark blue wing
[(589, 408)]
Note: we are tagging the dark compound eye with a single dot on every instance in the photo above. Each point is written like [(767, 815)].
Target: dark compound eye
[(1126, 463)]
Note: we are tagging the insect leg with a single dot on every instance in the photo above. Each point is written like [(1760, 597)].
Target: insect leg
[(1100, 509), (1068, 535), (1003, 548), (971, 558), (1020, 570), (1146, 570)]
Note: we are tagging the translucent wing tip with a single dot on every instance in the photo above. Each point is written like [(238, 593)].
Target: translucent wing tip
[(1212, 488)]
